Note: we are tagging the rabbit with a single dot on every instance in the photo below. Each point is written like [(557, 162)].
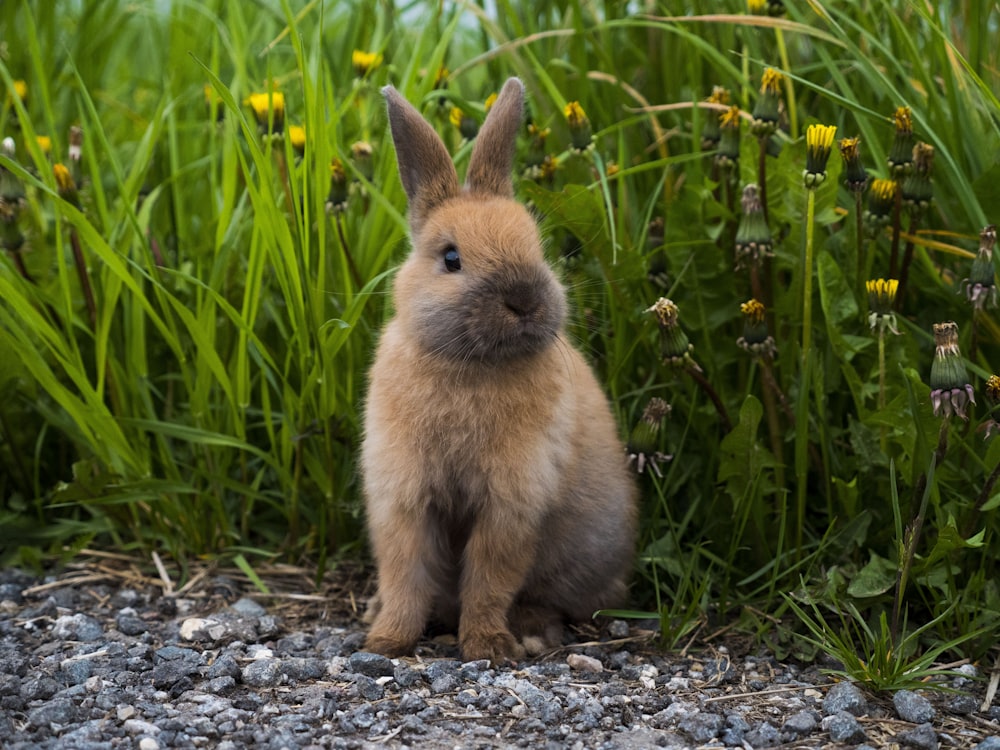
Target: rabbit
[(497, 494)]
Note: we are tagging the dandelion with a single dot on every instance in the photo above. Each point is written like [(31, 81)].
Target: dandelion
[(365, 62), (44, 143), (20, 90), (268, 108), (728, 154), (992, 391), (75, 143), (765, 111), (297, 137), (901, 152), (361, 154), (855, 176), (753, 236), (580, 132), (65, 184), (336, 199), (881, 299), (536, 156), (951, 391), (490, 101), (756, 338), (11, 190), (757, 7), (917, 191), (467, 125), (980, 287), (819, 142), (710, 132), (643, 441), (881, 200)]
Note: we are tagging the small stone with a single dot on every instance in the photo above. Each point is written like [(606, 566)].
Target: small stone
[(446, 683), (844, 727), (370, 665), (129, 624), (913, 707), (369, 688), (411, 703), (467, 697), (148, 743), (990, 743), (702, 727), (405, 676), (802, 723), (138, 726), (248, 608), (77, 628), (262, 673), (963, 705), (922, 737), (618, 629), (845, 696), (125, 712), (763, 735), (583, 663)]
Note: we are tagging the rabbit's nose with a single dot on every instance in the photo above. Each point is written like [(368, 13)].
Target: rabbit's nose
[(523, 300)]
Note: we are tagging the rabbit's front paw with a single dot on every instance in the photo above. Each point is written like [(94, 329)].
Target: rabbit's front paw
[(389, 646), (499, 647)]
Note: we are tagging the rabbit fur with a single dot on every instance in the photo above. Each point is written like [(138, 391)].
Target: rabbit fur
[(497, 493)]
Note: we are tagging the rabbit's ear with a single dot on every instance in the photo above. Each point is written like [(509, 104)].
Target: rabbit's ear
[(425, 166), (493, 154)]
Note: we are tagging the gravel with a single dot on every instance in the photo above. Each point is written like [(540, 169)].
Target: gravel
[(105, 658)]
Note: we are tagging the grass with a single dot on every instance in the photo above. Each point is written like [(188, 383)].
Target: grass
[(207, 403)]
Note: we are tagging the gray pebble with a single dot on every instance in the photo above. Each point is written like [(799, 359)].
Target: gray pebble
[(368, 688), (913, 707), (54, 712), (845, 696), (763, 735), (262, 673), (446, 683), (844, 727), (411, 703), (963, 705), (77, 627), (801, 723), (702, 727), (922, 737), (618, 629), (129, 624), (370, 665), (248, 608), (224, 666), (990, 743)]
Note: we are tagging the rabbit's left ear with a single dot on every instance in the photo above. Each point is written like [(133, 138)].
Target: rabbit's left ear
[(493, 153)]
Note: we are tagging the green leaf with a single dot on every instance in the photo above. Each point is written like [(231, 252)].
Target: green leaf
[(743, 457), (877, 577)]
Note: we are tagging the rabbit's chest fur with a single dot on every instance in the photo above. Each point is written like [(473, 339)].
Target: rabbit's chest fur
[(470, 436)]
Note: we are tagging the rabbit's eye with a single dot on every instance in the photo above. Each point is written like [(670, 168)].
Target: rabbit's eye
[(452, 261)]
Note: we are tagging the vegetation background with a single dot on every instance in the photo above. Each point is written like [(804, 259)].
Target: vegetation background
[(192, 280)]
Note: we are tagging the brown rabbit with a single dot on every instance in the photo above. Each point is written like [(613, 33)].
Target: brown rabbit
[(497, 492)]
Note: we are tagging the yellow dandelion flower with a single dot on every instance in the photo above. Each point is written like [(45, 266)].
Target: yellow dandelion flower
[(263, 104), (903, 119), (884, 189), (574, 114), (757, 7), (20, 89), (44, 143), (753, 310), (490, 101), (770, 82), (297, 136), (455, 116), (365, 62), (64, 181), (730, 118), (992, 388), (819, 142), (719, 95)]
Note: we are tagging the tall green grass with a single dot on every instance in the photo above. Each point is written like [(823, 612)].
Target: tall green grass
[(210, 404)]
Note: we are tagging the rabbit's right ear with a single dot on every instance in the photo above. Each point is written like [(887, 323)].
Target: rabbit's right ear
[(425, 167)]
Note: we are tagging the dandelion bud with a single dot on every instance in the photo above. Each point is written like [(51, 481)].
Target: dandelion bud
[(917, 190), (765, 111), (644, 439), (336, 200), (980, 287), (756, 339), (819, 142), (881, 199), (753, 236), (728, 154), (536, 156), (65, 184), (675, 348), (855, 176), (11, 189), (710, 132), (580, 132), (951, 391), (467, 125), (881, 299), (901, 152), (361, 154), (992, 391)]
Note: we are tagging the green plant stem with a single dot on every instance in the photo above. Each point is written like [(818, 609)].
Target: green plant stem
[(769, 394), (904, 269), (984, 495), (807, 276), (699, 377), (860, 260), (897, 211), (793, 116), (762, 176), (921, 497), (883, 434), (81, 270)]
